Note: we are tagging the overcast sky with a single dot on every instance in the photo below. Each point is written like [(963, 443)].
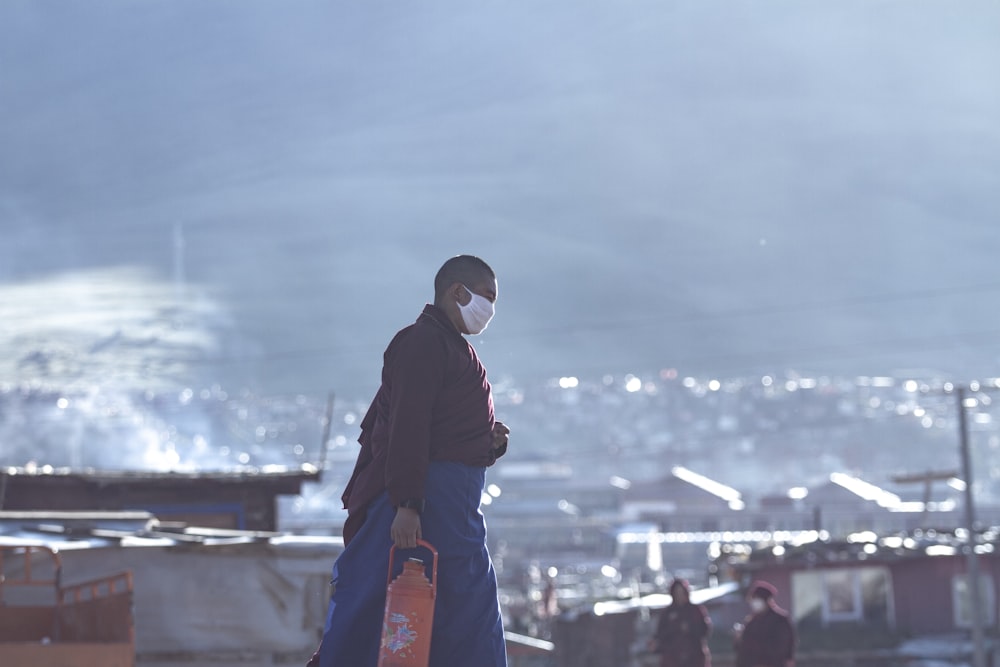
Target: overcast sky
[(264, 189)]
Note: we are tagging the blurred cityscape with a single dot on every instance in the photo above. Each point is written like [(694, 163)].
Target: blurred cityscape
[(598, 469)]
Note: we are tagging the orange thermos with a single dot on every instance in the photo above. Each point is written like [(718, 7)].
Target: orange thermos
[(409, 613)]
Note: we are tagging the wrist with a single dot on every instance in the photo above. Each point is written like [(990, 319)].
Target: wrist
[(415, 504)]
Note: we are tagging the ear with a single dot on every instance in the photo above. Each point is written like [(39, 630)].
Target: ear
[(460, 293)]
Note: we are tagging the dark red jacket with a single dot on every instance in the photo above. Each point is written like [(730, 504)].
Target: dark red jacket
[(681, 636), (434, 404), (768, 640)]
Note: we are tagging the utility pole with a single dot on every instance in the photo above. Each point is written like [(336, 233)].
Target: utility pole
[(972, 568), (324, 444)]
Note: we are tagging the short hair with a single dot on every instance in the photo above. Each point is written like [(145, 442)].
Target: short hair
[(680, 583), (465, 269)]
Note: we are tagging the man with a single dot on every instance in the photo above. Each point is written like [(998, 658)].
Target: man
[(426, 442), (767, 638), (682, 630)]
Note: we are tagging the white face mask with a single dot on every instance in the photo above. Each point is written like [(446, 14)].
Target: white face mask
[(477, 313), (757, 604)]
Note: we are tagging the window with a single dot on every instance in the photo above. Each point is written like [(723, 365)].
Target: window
[(842, 596), (962, 600)]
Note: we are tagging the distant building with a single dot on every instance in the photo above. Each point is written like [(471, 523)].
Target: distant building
[(201, 595), (242, 499), (540, 512), (695, 516), (907, 585)]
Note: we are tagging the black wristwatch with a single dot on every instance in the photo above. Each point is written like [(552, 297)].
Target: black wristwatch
[(413, 504)]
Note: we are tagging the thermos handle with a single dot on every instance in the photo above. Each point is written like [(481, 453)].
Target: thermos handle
[(434, 566)]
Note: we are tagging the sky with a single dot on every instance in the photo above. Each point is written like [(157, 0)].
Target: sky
[(258, 193)]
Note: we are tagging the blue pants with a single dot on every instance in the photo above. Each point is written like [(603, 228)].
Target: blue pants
[(468, 630)]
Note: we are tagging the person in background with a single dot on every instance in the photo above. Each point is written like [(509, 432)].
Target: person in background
[(426, 442), (682, 631), (767, 636)]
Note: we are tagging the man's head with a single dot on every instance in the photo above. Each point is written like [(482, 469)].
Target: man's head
[(680, 591), (760, 595), (465, 288)]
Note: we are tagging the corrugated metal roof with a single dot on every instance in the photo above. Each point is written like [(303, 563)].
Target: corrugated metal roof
[(305, 471), (82, 530)]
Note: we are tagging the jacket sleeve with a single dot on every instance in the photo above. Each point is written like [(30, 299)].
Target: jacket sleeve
[(705, 628), (498, 451), (415, 371)]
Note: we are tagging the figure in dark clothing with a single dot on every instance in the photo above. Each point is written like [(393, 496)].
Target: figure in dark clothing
[(767, 638), (426, 442), (682, 630)]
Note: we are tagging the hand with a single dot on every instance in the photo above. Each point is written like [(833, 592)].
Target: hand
[(405, 529), (501, 434)]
